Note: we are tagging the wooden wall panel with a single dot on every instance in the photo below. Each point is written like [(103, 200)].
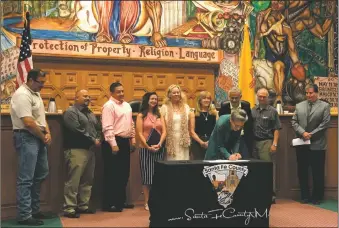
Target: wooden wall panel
[(63, 80), (331, 171), (8, 179)]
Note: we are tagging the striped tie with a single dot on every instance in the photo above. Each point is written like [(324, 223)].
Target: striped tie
[(309, 109)]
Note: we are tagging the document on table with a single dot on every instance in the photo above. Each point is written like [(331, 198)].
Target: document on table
[(220, 161), (300, 142)]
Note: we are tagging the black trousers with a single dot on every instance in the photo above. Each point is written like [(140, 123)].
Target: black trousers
[(116, 173), (316, 160)]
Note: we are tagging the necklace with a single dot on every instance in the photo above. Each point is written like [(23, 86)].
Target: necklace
[(176, 109), (206, 117), (151, 119)]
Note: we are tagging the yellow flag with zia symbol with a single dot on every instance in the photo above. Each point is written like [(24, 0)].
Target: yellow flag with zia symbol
[(246, 79)]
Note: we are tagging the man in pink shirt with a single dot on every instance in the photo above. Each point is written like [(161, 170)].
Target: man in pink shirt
[(118, 129)]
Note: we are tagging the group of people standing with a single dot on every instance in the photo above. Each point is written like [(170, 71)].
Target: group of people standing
[(172, 132)]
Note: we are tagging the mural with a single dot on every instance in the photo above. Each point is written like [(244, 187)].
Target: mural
[(9, 53), (290, 39)]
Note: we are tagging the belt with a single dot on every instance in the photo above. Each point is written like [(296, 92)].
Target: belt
[(259, 139), (25, 130), (21, 130)]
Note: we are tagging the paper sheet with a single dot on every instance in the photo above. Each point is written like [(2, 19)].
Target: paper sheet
[(220, 161), (300, 142)]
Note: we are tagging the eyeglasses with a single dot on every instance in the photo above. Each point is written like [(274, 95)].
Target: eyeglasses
[(41, 83), (237, 127)]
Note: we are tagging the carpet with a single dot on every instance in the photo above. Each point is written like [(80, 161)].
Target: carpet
[(54, 222), (286, 213), (289, 213), (331, 205)]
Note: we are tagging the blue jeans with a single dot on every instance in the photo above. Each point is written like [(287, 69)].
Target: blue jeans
[(32, 170)]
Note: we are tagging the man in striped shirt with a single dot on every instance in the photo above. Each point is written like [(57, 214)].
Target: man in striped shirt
[(118, 129), (266, 126)]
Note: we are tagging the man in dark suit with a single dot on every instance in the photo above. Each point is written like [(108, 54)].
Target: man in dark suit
[(310, 121), (235, 103)]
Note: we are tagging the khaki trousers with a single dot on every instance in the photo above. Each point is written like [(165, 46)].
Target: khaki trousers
[(263, 150), (80, 164)]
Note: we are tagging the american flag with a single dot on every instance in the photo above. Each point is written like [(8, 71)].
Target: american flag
[(25, 63)]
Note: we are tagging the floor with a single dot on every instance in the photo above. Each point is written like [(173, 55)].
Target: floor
[(286, 213)]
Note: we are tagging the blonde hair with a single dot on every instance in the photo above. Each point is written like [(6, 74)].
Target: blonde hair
[(167, 99), (167, 112), (211, 108)]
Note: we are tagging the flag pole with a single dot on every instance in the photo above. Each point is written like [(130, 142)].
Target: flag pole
[(23, 9)]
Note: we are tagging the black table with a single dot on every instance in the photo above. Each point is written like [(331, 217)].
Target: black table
[(185, 194)]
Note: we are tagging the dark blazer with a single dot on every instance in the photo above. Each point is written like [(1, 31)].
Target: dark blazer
[(225, 109)]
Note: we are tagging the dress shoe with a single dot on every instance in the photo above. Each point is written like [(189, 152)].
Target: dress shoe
[(114, 209), (31, 222), (273, 198), (73, 214), (305, 201), (41, 215), (86, 211), (128, 206), (316, 202)]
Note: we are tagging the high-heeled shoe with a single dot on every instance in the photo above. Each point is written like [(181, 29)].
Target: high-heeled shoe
[(146, 207)]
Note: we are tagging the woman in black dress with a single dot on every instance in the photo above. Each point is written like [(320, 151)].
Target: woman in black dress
[(202, 123)]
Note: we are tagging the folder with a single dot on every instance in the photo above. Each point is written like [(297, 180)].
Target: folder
[(153, 138)]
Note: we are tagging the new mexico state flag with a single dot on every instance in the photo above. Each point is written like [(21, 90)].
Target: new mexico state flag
[(246, 81)]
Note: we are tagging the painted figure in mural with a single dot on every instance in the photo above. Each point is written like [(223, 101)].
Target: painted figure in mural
[(65, 10), (218, 6), (10, 7), (214, 17), (118, 20), (7, 90), (279, 44), (301, 17), (41, 8), (208, 14), (85, 17), (279, 25), (108, 20), (317, 18)]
